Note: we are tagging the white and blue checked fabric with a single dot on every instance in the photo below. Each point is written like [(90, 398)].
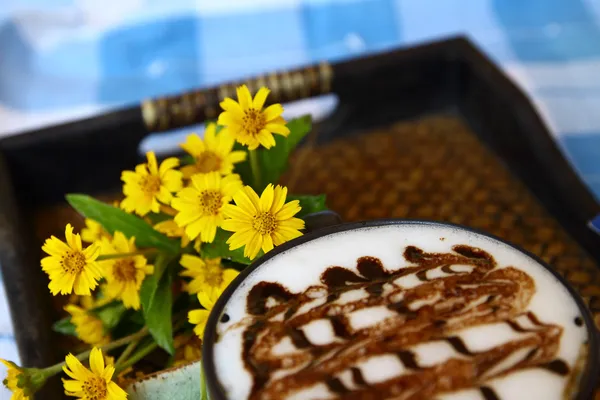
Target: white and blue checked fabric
[(65, 59)]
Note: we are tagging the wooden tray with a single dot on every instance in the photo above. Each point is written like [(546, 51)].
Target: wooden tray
[(449, 138)]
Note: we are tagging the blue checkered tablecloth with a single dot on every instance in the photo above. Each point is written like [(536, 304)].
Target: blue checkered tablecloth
[(65, 59)]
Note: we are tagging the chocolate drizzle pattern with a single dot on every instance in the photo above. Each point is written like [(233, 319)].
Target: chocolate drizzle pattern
[(454, 291)]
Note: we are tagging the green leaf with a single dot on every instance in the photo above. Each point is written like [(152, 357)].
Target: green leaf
[(310, 204), (65, 327), (274, 162), (159, 316), (187, 160), (220, 248), (156, 218), (114, 219), (243, 169), (110, 314), (150, 284)]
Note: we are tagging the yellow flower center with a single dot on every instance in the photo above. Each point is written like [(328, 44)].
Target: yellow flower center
[(95, 388), (214, 275), (73, 262), (150, 184), (264, 223), (210, 202), (208, 162), (124, 270), (253, 121)]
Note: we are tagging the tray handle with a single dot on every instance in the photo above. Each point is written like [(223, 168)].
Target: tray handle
[(170, 112)]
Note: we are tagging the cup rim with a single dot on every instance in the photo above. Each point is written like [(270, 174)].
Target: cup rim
[(215, 389)]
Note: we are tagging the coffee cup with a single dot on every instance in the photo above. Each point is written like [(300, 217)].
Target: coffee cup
[(399, 309)]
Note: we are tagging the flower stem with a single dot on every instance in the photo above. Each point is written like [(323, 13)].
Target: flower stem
[(128, 350), (255, 166), (125, 255), (137, 356), (54, 369)]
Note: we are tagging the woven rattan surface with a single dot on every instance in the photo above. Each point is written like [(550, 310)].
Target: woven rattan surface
[(436, 168)]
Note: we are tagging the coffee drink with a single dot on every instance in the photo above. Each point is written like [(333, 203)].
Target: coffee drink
[(408, 311)]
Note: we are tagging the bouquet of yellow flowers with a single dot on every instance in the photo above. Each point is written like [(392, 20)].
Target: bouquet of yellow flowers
[(145, 272)]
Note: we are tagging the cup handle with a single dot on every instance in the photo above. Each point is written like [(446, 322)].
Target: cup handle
[(321, 219)]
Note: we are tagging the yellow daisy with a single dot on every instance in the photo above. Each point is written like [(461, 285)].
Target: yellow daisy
[(89, 328), (150, 184), (261, 222), (199, 205), (93, 232), (213, 154), (94, 384), (172, 230), (188, 348), (205, 273), (89, 302), (207, 300), (69, 266), (124, 276), (248, 123), (12, 379)]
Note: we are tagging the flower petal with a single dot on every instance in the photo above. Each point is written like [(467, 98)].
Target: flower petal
[(76, 367), (152, 163), (272, 112), (279, 196), (229, 118), (278, 128), (288, 210), (115, 392), (292, 223), (266, 138), (266, 199), (253, 246), (244, 97), (236, 212), (97, 361), (248, 200), (267, 244), (240, 238), (193, 145), (260, 98), (232, 106), (167, 165), (73, 386), (233, 225)]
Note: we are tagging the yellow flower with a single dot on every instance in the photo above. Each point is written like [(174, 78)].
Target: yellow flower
[(150, 184), (261, 223), (200, 205), (94, 384), (188, 348), (248, 123), (171, 229), (89, 302), (69, 266), (205, 273), (124, 276), (12, 379), (89, 328), (213, 154), (207, 300), (93, 232)]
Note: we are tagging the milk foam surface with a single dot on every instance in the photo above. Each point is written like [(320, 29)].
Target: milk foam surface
[(301, 267)]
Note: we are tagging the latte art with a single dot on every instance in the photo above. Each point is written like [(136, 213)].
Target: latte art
[(454, 324)]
